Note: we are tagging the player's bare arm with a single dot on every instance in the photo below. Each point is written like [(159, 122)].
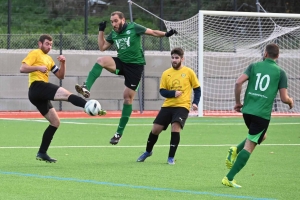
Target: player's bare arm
[(157, 33), (285, 97), (60, 74), (237, 92), (28, 69), (102, 43)]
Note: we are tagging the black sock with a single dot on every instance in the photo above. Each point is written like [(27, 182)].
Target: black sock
[(175, 139), (47, 137), (77, 101), (151, 142)]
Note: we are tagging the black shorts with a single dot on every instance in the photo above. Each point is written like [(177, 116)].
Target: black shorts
[(257, 127), (169, 115), (131, 72), (40, 93)]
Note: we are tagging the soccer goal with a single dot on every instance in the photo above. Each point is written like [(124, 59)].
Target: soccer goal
[(219, 45)]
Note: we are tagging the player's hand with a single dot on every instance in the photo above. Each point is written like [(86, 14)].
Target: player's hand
[(178, 93), (102, 26), (43, 69), (171, 32), (194, 107), (291, 104), (238, 107), (61, 58)]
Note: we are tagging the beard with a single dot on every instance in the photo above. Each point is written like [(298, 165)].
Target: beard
[(176, 65), (45, 50), (119, 28)]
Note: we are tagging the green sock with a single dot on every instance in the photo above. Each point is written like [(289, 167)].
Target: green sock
[(93, 75), (240, 162), (126, 112), (241, 146)]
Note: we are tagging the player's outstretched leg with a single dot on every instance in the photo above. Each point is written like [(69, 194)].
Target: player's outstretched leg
[(231, 157), (82, 89), (45, 157)]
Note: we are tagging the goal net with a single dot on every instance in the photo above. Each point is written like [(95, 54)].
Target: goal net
[(220, 45)]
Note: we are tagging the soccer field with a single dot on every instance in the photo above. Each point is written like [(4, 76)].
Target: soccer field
[(89, 167)]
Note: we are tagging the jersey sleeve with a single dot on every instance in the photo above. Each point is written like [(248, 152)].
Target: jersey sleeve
[(248, 70), (194, 80), (139, 29), (282, 80), (109, 38), (163, 82), (30, 58)]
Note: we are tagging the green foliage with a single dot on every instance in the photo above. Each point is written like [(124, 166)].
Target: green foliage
[(54, 17)]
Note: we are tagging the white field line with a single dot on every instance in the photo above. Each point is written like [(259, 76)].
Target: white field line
[(105, 124), (143, 146)]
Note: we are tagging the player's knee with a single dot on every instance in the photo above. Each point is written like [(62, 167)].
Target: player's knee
[(176, 127), (55, 123), (128, 98), (101, 61)]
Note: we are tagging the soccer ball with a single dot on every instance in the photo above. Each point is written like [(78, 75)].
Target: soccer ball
[(92, 107)]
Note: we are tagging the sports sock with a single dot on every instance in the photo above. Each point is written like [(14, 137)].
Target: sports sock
[(93, 75), (47, 137), (175, 139), (240, 162), (241, 146), (126, 112), (77, 101), (151, 142)]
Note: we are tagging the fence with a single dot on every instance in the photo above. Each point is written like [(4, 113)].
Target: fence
[(74, 42), (81, 55)]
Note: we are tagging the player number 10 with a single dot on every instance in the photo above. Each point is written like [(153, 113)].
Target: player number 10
[(260, 80)]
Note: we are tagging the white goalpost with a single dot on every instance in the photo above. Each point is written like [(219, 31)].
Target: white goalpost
[(220, 45)]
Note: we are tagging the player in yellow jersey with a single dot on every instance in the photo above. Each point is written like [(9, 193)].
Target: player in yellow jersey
[(176, 85), (38, 64)]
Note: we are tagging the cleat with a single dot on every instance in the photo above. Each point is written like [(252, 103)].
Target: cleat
[(229, 183), (45, 157), (231, 157), (81, 89), (115, 140), (102, 112), (143, 157), (171, 161)]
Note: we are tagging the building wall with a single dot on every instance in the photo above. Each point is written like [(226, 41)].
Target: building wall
[(108, 89)]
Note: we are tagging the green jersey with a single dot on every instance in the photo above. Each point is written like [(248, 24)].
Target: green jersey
[(128, 43), (264, 80)]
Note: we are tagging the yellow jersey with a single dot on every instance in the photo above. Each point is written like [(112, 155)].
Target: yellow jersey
[(38, 58), (184, 80)]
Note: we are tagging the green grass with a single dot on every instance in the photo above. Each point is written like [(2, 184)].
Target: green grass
[(89, 168)]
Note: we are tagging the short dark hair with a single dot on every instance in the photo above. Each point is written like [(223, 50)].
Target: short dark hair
[(272, 50), (45, 37), (120, 14), (179, 51)]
